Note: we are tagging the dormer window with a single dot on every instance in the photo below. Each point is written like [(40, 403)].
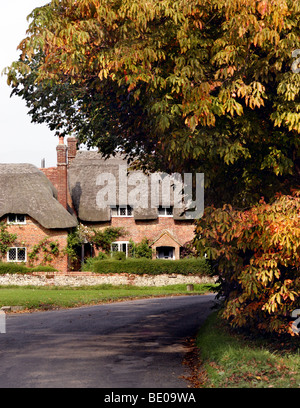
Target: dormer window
[(16, 219), (165, 211), (122, 211)]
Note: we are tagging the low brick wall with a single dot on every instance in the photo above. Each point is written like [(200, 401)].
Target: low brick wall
[(89, 279)]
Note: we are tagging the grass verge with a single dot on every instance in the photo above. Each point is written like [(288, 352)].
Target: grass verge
[(231, 360), (53, 297)]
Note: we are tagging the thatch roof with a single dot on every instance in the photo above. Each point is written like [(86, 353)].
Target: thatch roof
[(89, 176), (24, 189)]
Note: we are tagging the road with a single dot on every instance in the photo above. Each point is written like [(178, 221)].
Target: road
[(132, 344)]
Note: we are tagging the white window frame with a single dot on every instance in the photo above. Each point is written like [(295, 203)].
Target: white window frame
[(16, 221), (120, 243), (17, 260), (164, 210), (116, 212)]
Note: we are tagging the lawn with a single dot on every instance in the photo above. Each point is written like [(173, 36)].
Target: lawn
[(231, 360), (51, 297)]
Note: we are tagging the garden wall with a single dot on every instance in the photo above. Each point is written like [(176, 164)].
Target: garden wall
[(89, 278)]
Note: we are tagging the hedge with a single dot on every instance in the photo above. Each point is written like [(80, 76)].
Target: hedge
[(11, 268), (143, 266)]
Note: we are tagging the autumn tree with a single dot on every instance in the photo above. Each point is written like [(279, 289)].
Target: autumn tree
[(193, 86), (187, 85), (256, 253)]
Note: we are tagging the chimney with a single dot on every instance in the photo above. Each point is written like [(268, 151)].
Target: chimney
[(62, 176), (72, 148)]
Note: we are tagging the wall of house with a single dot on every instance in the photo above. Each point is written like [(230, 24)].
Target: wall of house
[(181, 231), (32, 233)]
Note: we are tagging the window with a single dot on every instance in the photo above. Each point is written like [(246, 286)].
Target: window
[(122, 211), (121, 246), (16, 255), (165, 211), (16, 219)]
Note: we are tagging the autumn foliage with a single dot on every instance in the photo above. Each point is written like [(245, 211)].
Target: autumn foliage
[(188, 86), (256, 255)]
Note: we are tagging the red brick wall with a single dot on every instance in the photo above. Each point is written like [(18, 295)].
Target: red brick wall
[(181, 231), (72, 149), (62, 176), (51, 174), (32, 233)]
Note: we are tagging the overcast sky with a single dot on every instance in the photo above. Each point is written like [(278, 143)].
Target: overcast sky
[(20, 140)]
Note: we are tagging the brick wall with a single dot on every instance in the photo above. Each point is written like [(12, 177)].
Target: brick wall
[(62, 175), (51, 174), (177, 232), (32, 233), (182, 231)]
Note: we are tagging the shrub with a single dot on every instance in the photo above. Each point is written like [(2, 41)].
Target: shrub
[(141, 249), (20, 268), (42, 268), (10, 267), (256, 255), (119, 256), (88, 265), (145, 266), (188, 250)]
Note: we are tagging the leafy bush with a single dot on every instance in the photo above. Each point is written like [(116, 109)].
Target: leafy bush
[(145, 266), (42, 268), (119, 256), (141, 249), (256, 254), (88, 265), (11, 268), (20, 268)]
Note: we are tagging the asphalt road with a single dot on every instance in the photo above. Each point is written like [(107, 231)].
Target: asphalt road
[(133, 344)]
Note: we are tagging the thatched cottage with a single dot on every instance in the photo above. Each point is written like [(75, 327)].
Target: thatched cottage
[(29, 206), (43, 205)]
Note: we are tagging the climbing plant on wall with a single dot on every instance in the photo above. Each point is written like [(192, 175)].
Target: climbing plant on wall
[(6, 239)]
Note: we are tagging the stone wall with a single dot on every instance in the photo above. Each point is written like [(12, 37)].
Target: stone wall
[(88, 279)]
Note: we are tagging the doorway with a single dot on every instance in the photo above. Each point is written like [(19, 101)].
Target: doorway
[(165, 252)]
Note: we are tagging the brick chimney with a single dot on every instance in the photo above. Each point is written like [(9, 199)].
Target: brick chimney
[(72, 148), (62, 175)]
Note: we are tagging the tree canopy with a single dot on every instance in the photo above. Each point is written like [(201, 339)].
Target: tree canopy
[(186, 85)]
